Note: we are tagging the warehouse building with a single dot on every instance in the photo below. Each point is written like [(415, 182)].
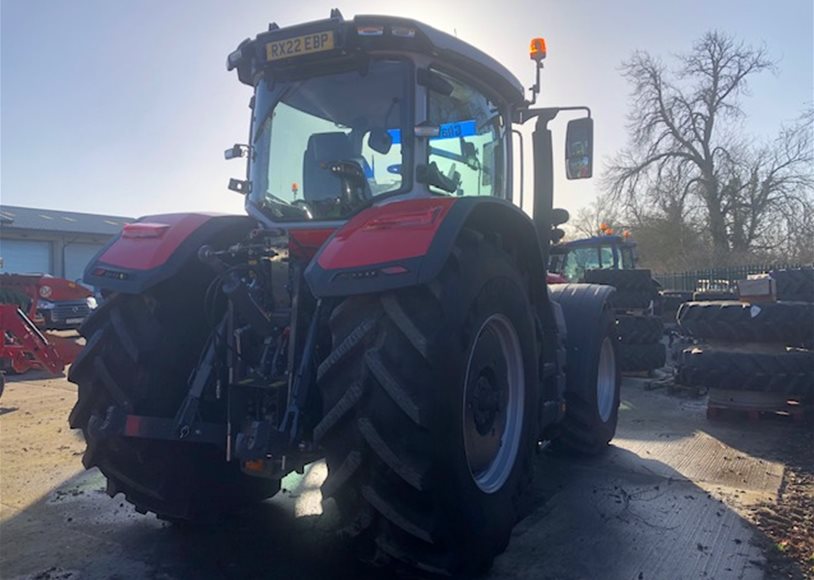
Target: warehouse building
[(60, 243)]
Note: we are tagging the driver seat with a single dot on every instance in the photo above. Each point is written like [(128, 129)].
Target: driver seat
[(318, 183)]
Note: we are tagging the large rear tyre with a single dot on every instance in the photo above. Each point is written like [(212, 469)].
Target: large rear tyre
[(671, 300), (635, 289), (642, 357), (794, 284), (789, 371), (790, 323), (639, 329), (430, 402), (140, 352)]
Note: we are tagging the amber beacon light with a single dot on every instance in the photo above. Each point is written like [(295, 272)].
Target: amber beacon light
[(537, 49)]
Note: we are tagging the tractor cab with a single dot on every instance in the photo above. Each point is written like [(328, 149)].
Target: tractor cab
[(605, 252), (347, 114)]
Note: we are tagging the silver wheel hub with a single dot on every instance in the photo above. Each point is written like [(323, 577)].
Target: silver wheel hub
[(606, 380), (494, 397)]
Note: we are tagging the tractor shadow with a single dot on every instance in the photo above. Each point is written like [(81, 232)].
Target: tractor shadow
[(32, 376), (618, 516)]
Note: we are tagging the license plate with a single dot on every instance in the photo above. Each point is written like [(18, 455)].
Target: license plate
[(74, 320), (299, 45)]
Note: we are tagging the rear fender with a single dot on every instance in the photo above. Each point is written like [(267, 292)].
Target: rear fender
[(155, 248), (582, 307), (407, 243)]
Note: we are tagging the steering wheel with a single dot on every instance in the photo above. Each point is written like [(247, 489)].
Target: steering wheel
[(347, 169), (355, 187), (303, 205)]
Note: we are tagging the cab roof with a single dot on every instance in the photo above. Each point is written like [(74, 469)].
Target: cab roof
[(250, 56), (598, 241)]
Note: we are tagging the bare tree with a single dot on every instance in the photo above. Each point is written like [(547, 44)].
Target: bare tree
[(688, 158), (772, 182), (588, 220)]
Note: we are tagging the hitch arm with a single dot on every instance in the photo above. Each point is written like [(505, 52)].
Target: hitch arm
[(185, 418), (302, 382)]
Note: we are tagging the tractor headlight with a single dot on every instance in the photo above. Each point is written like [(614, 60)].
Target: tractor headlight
[(91, 301), (45, 305)]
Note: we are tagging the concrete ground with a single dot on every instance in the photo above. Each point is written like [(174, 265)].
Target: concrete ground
[(668, 500)]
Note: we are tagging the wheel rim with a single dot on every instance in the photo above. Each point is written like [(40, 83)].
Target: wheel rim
[(606, 380), (494, 397)]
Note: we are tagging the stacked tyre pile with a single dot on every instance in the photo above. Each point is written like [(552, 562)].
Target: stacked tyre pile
[(670, 301), (753, 356), (639, 330), (794, 284), (713, 295)]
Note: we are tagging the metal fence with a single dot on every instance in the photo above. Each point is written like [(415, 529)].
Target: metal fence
[(714, 278)]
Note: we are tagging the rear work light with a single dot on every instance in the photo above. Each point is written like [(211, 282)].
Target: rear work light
[(403, 31), (144, 230), (370, 30)]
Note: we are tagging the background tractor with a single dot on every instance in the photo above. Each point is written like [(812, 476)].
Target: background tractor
[(383, 306), (639, 304), (606, 252)]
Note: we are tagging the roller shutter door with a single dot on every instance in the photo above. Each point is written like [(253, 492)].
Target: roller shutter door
[(77, 257), (25, 256)]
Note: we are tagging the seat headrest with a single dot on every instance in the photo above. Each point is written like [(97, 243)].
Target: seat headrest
[(329, 146)]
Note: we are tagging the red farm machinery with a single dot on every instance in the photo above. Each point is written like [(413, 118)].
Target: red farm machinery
[(31, 305), (383, 306)]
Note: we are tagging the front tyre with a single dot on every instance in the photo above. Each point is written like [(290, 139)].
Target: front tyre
[(430, 409), (593, 373)]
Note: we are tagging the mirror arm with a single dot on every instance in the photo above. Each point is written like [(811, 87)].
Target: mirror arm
[(522, 162), (236, 151), (523, 115), (535, 90)]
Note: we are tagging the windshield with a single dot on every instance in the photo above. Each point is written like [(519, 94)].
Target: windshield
[(469, 149), (324, 147), (578, 260)]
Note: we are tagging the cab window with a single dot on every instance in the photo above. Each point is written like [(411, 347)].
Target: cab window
[(627, 259), (470, 146), (579, 260), (606, 257)]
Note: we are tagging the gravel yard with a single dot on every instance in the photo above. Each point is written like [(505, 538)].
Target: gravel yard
[(676, 497)]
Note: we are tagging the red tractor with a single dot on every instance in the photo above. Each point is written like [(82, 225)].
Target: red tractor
[(383, 306)]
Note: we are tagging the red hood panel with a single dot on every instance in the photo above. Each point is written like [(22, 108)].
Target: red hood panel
[(147, 244), (394, 231)]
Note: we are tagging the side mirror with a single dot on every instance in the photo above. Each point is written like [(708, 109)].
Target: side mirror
[(559, 216), (579, 149), (237, 150), (470, 154)]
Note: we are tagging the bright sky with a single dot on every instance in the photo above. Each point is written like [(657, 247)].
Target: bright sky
[(126, 107)]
